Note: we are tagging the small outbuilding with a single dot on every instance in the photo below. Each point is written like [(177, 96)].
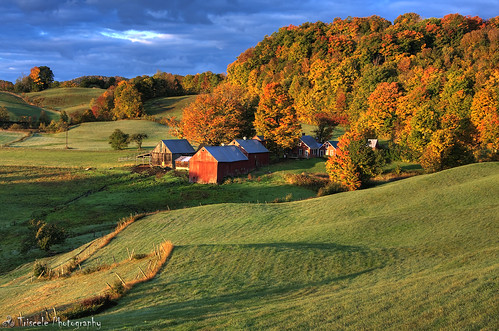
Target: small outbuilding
[(211, 164), (256, 153), (307, 147), (167, 151), (328, 148)]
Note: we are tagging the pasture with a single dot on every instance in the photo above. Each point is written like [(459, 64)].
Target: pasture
[(168, 106), (69, 99), (18, 108), (415, 254), (95, 135)]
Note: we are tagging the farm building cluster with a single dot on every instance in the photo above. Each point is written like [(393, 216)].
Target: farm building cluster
[(211, 164)]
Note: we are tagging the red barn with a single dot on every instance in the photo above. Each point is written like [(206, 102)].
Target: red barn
[(211, 164), (256, 153)]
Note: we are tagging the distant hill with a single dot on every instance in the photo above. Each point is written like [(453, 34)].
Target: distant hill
[(18, 108), (69, 99), (419, 253)]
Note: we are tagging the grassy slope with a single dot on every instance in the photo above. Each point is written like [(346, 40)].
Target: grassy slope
[(69, 99), (91, 202), (10, 136), (95, 135), (17, 107), (414, 254), (168, 106)]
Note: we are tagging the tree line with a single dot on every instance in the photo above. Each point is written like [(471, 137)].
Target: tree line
[(430, 87)]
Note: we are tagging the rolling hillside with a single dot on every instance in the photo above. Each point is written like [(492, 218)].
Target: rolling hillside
[(421, 253), (168, 106), (95, 135), (17, 107), (69, 99)]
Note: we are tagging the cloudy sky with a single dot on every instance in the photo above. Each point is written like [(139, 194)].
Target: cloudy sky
[(138, 37)]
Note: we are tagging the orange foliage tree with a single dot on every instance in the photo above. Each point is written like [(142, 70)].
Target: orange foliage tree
[(127, 101), (216, 118), (276, 119)]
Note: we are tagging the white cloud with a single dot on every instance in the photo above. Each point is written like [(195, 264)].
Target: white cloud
[(144, 37)]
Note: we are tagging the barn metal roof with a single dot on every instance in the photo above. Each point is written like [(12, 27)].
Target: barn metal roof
[(310, 141), (252, 146), (332, 143), (226, 153), (178, 146), (183, 158)]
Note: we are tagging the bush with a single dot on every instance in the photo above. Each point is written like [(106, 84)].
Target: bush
[(40, 268), (331, 188), (310, 181)]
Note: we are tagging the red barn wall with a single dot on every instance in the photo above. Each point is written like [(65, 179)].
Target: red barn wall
[(203, 168)]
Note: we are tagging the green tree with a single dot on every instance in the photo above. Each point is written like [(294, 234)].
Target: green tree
[(118, 139), (43, 235), (4, 114), (138, 138)]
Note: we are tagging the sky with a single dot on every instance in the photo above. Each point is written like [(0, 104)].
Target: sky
[(139, 37)]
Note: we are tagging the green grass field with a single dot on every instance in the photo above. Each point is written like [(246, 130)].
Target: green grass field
[(95, 135), (168, 106), (10, 136), (48, 185), (69, 99), (17, 107), (420, 253)]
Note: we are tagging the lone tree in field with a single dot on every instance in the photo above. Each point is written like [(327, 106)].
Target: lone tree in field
[(43, 235), (276, 119), (138, 138), (42, 77), (118, 139), (4, 114)]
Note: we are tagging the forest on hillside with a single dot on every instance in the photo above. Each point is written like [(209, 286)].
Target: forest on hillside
[(426, 85)]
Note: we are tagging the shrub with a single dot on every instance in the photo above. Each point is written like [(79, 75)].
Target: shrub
[(310, 181), (40, 268), (330, 188)]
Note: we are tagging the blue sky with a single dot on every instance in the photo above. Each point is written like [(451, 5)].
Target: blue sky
[(138, 37)]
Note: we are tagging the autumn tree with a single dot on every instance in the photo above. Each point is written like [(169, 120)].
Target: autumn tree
[(42, 77), (354, 162), (127, 101), (276, 119), (218, 117), (103, 106), (382, 108), (325, 126)]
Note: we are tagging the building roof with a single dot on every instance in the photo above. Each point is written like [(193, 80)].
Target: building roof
[(229, 153), (310, 141), (259, 137), (332, 143), (179, 146), (251, 146), (373, 143), (183, 158)]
